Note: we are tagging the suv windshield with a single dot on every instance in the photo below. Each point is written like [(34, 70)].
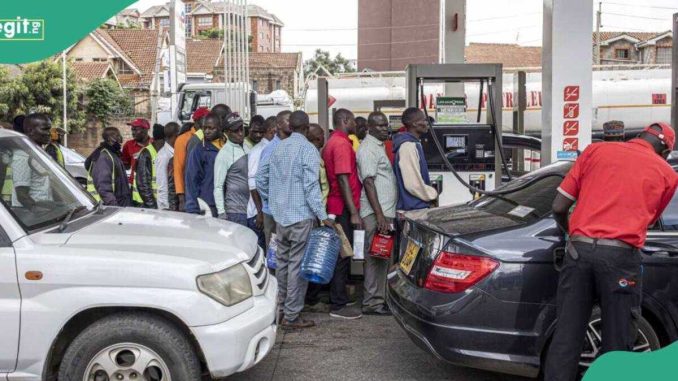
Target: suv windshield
[(37, 191), (535, 201)]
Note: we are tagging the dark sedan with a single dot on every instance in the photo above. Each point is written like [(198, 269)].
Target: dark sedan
[(476, 283)]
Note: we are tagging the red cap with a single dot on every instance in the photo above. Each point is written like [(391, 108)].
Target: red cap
[(667, 135), (140, 122), (200, 113)]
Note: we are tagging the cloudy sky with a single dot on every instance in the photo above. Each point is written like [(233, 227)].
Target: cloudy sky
[(311, 24)]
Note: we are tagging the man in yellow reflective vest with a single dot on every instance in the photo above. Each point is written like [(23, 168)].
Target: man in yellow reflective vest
[(106, 178), (145, 187), (53, 148)]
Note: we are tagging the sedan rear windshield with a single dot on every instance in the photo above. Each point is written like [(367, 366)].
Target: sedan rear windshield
[(534, 201)]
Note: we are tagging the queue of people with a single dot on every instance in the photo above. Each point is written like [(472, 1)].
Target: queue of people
[(280, 179)]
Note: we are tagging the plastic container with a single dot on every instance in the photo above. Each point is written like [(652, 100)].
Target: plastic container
[(271, 260), (382, 245), (359, 245), (320, 257)]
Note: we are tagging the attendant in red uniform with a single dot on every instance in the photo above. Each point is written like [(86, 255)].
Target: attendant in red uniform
[(343, 202), (131, 148), (621, 189)]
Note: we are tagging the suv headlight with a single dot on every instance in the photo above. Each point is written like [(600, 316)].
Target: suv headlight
[(228, 287)]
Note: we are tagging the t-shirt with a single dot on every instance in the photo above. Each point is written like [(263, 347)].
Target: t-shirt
[(30, 173), (340, 159), (620, 190)]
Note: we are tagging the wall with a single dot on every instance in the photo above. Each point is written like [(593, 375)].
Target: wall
[(89, 139), (608, 52), (87, 49), (387, 39), (266, 79)]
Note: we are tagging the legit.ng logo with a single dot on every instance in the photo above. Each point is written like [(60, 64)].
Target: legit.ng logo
[(22, 29)]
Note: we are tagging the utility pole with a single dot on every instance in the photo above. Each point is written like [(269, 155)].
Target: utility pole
[(598, 26), (65, 99)]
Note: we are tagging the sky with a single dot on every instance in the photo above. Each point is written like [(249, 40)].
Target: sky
[(312, 24)]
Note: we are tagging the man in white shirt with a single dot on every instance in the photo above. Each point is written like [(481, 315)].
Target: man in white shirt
[(167, 197), (30, 178), (255, 215)]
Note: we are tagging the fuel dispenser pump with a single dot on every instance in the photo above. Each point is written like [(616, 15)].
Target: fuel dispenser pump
[(471, 148), (465, 159)]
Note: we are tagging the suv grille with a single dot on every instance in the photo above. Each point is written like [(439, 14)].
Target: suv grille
[(258, 271)]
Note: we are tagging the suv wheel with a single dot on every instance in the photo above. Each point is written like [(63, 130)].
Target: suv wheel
[(138, 347)]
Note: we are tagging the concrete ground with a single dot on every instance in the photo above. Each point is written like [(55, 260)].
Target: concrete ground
[(371, 348)]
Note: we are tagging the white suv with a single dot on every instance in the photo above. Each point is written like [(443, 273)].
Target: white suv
[(98, 293)]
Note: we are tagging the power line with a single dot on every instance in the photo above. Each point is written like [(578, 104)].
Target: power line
[(640, 6), (370, 44), (635, 16), (404, 26)]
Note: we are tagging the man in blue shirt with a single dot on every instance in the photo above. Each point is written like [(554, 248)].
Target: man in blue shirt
[(199, 175), (296, 204), (283, 132)]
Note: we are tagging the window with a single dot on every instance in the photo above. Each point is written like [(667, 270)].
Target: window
[(98, 59), (663, 55), (277, 84), (670, 216), (192, 100), (205, 21), (535, 201), (78, 60), (56, 194), (255, 85), (189, 26), (188, 7), (165, 22), (621, 54), (125, 69)]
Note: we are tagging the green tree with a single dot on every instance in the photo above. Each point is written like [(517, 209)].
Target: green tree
[(4, 85), (105, 98), (40, 89), (322, 58)]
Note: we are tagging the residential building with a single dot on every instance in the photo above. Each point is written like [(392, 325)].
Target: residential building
[(268, 71), (263, 28), (131, 54), (509, 55), (395, 33), (635, 47), (126, 18)]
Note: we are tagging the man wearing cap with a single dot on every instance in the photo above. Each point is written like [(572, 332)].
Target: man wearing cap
[(613, 131), (131, 148), (621, 189), (231, 191), (180, 156), (145, 186)]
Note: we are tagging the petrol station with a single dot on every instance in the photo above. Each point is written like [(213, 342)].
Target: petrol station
[(492, 277)]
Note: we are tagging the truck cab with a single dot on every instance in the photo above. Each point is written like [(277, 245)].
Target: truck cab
[(104, 293)]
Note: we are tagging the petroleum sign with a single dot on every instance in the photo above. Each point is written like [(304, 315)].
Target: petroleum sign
[(571, 111), (571, 144)]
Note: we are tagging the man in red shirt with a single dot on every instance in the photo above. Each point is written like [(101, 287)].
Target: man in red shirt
[(342, 202), (132, 148), (621, 189)]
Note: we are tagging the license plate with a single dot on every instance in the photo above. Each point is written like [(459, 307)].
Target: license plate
[(410, 256)]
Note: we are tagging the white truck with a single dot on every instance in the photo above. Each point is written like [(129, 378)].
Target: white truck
[(102, 293), (194, 95)]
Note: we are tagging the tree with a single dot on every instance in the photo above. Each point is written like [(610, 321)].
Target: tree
[(105, 98), (40, 89), (322, 58), (4, 86)]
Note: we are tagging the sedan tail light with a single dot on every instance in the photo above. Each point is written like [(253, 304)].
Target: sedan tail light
[(453, 272)]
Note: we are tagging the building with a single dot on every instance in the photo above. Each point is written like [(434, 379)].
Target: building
[(130, 55), (635, 48), (268, 71), (509, 55), (395, 33), (264, 28)]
